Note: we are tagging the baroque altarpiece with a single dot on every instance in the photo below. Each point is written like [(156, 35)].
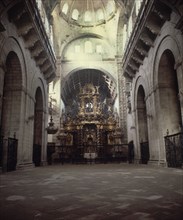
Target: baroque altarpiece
[(90, 128)]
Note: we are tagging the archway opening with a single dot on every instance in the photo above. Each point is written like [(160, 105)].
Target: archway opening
[(38, 127), (11, 112), (142, 125), (170, 109), (168, 91)]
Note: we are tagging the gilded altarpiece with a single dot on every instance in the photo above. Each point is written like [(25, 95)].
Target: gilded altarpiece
[(92, 128)]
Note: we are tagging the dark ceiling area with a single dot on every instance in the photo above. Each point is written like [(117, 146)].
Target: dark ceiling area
[(71, 86)]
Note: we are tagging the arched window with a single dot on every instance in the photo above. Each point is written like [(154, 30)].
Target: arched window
[(77, 48), (110, 7), (87, 17), (129, 26), (75, 14), (138, 5), (100, 15), (99, 48), (124, 36), (88, 47), (65, 8)]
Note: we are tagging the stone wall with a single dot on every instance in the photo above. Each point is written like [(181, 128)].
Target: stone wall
[(19, 80), (161, 96)]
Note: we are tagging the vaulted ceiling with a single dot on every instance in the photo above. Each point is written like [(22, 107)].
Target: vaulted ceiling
[(72, 84), (91, 17)]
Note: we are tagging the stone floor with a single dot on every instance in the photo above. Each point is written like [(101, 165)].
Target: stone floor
[(89, 192)]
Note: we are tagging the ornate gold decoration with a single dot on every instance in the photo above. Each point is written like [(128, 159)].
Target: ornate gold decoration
[(95, 121)]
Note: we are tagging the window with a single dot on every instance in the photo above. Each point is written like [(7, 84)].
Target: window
[(65, 8), (138, 5), (77, 48), (99, 48), (110, 7), (100, 15), (88, 47), (124, 36), (75, 14), (87, 16), (129, 26)]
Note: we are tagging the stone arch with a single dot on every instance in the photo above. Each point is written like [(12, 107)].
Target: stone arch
[(112, 88), (168, 84), (107, 73), (75, 37), (168, 94), (12, 111), (6, 47), (140, 81), (11, 105), (69, 51), (13, 91), (36, 83), (39, 112), (12, 45), (169, 43), (140, 110)]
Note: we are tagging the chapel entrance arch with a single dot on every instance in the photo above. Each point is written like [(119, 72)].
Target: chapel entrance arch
[(170, 109), (11, 112), (142, 125), (168, 92)]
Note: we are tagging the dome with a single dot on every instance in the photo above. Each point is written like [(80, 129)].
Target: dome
[(87, 13)]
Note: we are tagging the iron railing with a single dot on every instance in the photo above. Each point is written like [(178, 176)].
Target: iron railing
[(93, 153), (174, 150), (8, 162)]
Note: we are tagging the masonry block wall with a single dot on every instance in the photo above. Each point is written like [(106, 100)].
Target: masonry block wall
[(161, 77), (20, 78)]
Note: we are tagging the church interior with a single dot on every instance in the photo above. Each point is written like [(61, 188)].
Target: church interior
[(91, 90), (91, 81)]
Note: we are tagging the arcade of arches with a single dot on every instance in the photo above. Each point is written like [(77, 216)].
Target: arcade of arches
[(91, 81)]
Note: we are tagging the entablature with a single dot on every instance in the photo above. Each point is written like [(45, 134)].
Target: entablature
[(150, 20), (25, 15)]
